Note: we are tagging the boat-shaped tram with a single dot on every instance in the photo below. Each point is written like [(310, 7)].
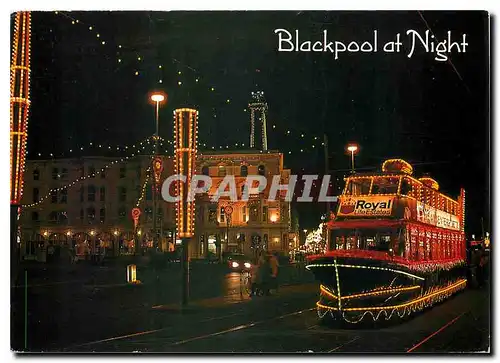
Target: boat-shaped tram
[(395, 246)]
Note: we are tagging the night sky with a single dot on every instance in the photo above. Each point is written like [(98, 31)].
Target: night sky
[(433, 114)]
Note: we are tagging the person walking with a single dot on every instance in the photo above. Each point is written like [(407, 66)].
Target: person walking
[(264, 273), (273, 261)]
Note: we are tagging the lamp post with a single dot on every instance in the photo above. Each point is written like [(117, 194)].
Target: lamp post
[(116, 247), (157, 98), (352, 148), (228, 210), (92, 256)]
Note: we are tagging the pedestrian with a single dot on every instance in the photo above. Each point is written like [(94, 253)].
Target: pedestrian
[(264, 273), (273, 261), (254, 278)]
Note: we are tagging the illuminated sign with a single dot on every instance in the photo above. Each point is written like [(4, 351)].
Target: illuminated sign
[(446, 220), (366, 206), (435, 217)]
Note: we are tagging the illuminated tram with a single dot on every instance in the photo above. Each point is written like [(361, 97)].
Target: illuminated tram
[(396, 246)]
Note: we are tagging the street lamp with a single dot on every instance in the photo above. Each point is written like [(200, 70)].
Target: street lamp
[(352, 148), (157, 98)]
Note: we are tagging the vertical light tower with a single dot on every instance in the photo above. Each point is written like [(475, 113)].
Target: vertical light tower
[(186, 138), (157, 98), (19, 107), (258, 128)]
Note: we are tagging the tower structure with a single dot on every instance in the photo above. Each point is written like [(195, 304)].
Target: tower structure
[(19, 106), (258, 121), (19, 102)]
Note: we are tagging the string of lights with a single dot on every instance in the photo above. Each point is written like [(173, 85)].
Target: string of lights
[(139, 61), (92, 146), (144, 185), (80, 179)]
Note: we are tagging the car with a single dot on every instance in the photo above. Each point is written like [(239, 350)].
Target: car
[(238, 262)]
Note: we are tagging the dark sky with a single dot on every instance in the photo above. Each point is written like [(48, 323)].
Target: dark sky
[(432, 114)]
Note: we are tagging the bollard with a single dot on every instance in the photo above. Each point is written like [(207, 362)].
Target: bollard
[(132, 274)]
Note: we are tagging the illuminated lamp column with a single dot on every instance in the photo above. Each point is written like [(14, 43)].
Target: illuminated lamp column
[(186, 136), (19, 107), (461, 216)]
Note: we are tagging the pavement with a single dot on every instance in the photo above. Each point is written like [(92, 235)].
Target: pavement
[(79, 316)]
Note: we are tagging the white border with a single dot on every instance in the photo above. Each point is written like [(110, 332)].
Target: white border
[(8, 7)]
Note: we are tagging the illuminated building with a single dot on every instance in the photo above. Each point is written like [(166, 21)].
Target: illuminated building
[(391, 232), (185, 131), (101, 203), (255, 224)]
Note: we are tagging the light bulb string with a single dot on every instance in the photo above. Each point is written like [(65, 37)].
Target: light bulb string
[(80, 179)]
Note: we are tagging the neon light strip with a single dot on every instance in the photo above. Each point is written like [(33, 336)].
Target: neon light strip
[(328, 292), (415, 301), (367, 267), (338, 283)]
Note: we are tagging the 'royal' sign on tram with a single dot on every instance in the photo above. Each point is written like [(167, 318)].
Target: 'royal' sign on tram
[(366, 206)]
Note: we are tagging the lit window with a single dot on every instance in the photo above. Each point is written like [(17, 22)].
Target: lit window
[(222, 215)]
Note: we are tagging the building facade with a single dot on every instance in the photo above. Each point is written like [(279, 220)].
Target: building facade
[(241, 226), (86, 203)]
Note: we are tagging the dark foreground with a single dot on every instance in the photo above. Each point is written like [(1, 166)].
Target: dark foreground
[(96, 311)]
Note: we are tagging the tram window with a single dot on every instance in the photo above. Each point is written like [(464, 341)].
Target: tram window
[(387, 185), (351, 243), (359, 187), (406, 187), (370, 243), (375, 241), (339, 242)]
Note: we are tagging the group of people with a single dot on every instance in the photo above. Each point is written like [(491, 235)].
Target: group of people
[(264, 274)]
